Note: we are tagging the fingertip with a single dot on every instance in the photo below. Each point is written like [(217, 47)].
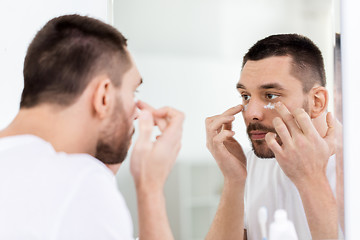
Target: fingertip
[(278, 104), (276, 121), (270, 136), (143, 105), (330, 115), (281, 108), (139, 104), (239, 108), (270, 139), (145, 115), (329, 119)]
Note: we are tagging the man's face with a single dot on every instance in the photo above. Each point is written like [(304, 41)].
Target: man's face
[(262, 84), (115, 138)]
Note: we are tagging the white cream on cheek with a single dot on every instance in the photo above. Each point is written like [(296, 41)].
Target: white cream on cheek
[(245, 107), (270, 106)]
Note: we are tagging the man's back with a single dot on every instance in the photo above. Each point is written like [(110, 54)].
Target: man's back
[(49, 195)]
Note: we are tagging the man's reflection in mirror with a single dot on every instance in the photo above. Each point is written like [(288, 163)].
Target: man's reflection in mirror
[(292, 163)]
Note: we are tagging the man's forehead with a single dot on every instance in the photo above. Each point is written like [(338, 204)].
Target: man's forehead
[(269, 65), (271, 72), (133, 71), (132, 76)]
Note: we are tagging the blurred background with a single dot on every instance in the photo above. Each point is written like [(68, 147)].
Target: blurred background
[(189, 54)]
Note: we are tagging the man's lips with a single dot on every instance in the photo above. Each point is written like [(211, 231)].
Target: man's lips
[(257, 135)]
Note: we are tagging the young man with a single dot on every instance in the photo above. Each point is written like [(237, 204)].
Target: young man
[(282, 85), (59, 155)]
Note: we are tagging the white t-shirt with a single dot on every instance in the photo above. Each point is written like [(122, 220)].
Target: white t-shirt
[(45, 195), (267, 185)]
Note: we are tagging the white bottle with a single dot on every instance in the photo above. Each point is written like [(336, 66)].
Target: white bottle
[(282, 228)]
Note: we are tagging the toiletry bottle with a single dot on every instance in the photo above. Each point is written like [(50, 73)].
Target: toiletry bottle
[(262, 218), (282, 228)]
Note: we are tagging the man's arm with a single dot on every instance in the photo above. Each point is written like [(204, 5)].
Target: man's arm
[(151, 163), (229, 219), (303, 156)]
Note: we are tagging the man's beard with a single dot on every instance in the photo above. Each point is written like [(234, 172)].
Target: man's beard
[(260, 147), (114, 142)]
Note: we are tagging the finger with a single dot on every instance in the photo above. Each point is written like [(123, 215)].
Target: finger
[(288, 118), (228, 125), (304, 121), (209, 120), (161, 123), (282, 131), (330, 121), (173, 131), (230, 112), (330, 133), (220, 147), (146, 124), (222, 136), (169, 114), (143, 105), (218, 123), (234, 110), (274, 146)]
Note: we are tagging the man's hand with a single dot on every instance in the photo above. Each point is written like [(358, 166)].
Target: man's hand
[(224, 148), (229, 219), (304, 154), (151, 162)]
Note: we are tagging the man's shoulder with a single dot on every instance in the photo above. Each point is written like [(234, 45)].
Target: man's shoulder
[(26, 155), (31, 150)]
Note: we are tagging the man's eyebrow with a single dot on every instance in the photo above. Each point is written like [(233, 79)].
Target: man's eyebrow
[(239, 85), (272, 85), (264, 86)]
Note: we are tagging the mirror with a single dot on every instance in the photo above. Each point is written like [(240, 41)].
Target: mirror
[(189, 54), (338, 110)]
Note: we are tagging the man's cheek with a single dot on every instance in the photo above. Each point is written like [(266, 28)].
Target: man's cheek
[(244, 118)]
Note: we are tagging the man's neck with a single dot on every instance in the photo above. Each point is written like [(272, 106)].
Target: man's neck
[(64, 128)]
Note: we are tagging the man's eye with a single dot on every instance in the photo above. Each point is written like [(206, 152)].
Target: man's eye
[(271, 96), (245, 97)]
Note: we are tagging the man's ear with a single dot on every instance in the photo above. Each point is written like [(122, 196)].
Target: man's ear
[(102, 98), (319, 101)]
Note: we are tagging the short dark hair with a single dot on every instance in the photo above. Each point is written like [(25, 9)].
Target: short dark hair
[(307, 60), (66, 54)]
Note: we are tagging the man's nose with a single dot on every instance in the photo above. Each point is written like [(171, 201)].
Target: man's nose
[(254, 110)]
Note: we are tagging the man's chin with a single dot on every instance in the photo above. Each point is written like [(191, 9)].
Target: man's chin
[(261, 149)]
